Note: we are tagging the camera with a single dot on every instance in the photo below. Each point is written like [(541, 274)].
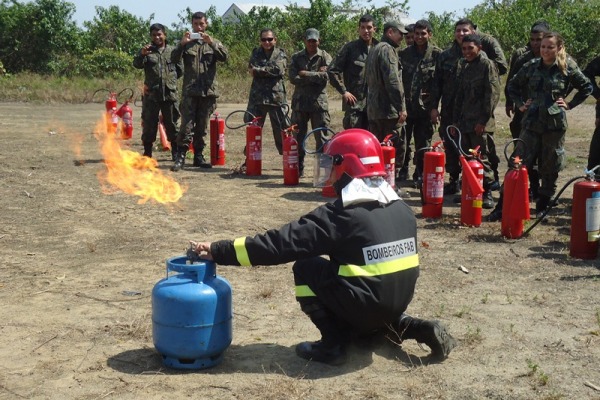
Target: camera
[(153, 48), (196, 36)]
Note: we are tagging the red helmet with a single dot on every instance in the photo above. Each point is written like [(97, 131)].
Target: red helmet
[(356, 152)]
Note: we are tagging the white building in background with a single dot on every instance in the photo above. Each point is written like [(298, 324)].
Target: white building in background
[(239, 9)]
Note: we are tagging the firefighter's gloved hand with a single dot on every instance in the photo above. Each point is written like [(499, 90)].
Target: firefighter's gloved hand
[(200, 250)]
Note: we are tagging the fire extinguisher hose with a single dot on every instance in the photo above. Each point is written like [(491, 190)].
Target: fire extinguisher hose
[(95, 93), (553, 203), (130, 90), (237, 112), (319, 150)]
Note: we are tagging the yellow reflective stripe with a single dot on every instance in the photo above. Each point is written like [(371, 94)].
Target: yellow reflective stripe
[(241, 253), (477, 203), (383, 268), (304, 291)]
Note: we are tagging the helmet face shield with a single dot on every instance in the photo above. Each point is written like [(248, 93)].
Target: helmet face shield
[(323, 167)]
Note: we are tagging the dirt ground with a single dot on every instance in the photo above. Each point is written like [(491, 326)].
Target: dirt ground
[(77, 268)]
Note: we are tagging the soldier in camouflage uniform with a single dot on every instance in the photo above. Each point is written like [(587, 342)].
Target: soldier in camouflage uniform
[(476, 97), (267, 67), (347, 74), (418, 67), (519, 58), (386, 105), (160, 88), (592, 71), (308, 72), (442, 92), (539, 90), (200, 93)]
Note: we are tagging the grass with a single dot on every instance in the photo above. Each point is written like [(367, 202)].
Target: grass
[(26, 87)]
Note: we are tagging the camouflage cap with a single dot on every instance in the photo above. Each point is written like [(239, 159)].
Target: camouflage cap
[(311, 34), (396, 25)]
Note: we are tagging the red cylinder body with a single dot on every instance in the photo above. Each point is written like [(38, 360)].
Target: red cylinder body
[(472, 199), (585, 220), (112, 120), (253, 149), (291, 168), (515, 206), (217, 141), (389, 163), (433, 183), (126, 114)]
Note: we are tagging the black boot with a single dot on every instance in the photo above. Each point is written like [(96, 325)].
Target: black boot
[(496, 214), (534, 185), (541, 205), (452, 187), (199, 160), (173, 151), (331, 348), (179, 159), (432, 333), (488, 200), (148, 149)]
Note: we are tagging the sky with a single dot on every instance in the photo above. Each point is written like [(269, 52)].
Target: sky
[(165, 12)]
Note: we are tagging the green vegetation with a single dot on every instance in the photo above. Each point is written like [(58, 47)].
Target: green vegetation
[(104, 47)]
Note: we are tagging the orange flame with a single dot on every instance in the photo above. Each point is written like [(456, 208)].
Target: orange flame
[(133, 173)]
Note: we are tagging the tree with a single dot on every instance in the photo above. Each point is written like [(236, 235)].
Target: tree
[(116, 29), (35, 35)]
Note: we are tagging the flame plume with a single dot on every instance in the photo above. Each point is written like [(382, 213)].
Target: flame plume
[(133, 173)]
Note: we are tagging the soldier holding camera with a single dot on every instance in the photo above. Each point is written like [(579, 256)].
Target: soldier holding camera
[(160, 87), (200, 53)]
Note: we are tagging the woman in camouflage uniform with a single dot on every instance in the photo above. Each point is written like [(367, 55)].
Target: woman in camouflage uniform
[(539, 90)]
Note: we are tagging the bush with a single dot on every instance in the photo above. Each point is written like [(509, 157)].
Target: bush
[(103, 63)]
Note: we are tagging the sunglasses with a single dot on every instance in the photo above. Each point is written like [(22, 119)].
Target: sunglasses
[(266, 39)]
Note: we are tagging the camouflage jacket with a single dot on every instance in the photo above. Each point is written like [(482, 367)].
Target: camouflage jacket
[(543, 86), (494, 52), (592, 70), (518, 58), (268, 86), (417, 75), (309, 93), (385, 94), (200, 66), (476, 97), (160, 74), (442, 90), (347, 72)]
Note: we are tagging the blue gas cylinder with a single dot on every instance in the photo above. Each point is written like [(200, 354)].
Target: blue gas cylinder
[(191, 315)]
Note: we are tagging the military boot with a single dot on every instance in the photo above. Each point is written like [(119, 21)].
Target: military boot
[(452, 187), (148, 149), (541, 205), (496, 214), (331, 348), (173, 151), (199, 160), (431, 333), (179, 159)]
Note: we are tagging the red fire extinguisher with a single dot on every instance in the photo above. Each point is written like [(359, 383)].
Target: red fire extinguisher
[(389, 160), (585, 219), (112, 120), (291, 167), (432, 190), (254, 148), (217, 140), (515, 206), (472, 190), (126, 114)]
